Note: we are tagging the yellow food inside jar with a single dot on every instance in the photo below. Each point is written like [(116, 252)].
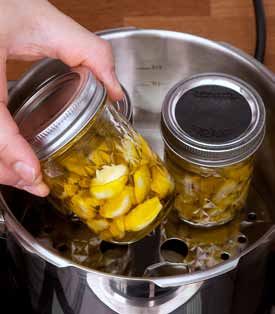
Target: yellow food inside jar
[(109, 181), (117, 228), (118, 205), (209, 196), (142, 215), (98, 225), (83, 205), (162, 182), (142, 183), (121, 194)]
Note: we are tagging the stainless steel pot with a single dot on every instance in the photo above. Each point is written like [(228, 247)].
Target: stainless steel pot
[(149, 63)]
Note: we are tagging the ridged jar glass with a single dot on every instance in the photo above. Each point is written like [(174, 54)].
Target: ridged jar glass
[(209, 196), (97, 166)]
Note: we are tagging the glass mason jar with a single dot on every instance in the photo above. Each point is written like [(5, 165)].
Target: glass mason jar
[(97, 166), (212, 126)]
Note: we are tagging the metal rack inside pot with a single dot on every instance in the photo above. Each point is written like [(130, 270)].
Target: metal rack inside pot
[(173, 248)]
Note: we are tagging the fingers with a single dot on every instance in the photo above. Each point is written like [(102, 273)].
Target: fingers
[(17, 157), (18, 164), (96, 54), (100, 61), (48, 32), (8, 177), (75, 46)]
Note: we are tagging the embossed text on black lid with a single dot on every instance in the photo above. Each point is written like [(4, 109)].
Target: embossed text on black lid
[(213, 114)]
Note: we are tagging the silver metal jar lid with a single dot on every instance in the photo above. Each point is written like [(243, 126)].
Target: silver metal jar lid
[(213, 120), (59, 110), (41, 72)]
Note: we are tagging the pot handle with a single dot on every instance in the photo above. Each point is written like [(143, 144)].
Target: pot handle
[(187, 279), (268, 73)]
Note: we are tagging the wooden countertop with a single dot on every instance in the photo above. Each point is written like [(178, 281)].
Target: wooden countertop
[(231, 21)]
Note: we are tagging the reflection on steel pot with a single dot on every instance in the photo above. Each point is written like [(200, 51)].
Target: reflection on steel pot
[(157, 60)]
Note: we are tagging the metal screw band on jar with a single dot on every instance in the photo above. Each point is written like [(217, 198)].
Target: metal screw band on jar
[(44, 71), (52, 135), (213, 153)]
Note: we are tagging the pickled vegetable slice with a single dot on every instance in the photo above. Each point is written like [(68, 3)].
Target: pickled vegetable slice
[(127, 148), (142, 182), (162, 182), (228, 187), (241, 199), (191, 184), (98, 225), (73, 163), (120, 223), (209, 186), (90, 170), (238, 172), (143, 214), (73, 178), (83, 205), (117, 228), (69, 190), (101, 156), (110, 173), (84, 182), (118, 205), (146, 151), (225, 202), (109, 181), (109, 190)]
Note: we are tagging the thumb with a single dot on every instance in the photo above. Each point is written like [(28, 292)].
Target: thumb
[(19, 165)]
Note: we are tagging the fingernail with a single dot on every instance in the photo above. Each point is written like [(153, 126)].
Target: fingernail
[(40, 189), (26, 172)]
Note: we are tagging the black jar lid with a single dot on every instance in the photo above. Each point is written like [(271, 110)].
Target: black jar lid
[(213, 120)]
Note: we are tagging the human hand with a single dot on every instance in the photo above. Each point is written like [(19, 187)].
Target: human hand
[(30, 30)]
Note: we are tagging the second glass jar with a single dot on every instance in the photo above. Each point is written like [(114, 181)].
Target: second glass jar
[(212, 126)]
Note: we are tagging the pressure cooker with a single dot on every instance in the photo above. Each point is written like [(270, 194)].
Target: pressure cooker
[(149, 63)]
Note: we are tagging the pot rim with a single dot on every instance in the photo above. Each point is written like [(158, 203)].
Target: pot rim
[(31, 244)]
